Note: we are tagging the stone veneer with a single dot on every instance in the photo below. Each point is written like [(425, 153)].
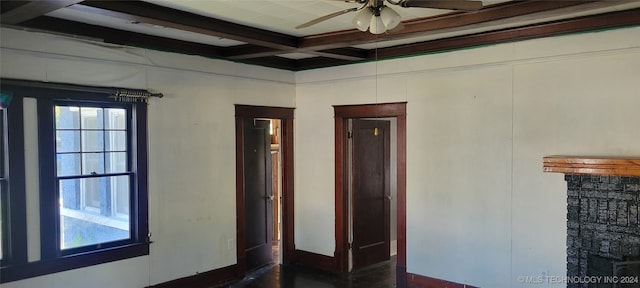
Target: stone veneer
[(603, 224)]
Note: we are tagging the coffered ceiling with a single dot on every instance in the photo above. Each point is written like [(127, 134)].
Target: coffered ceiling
[(262, 32)]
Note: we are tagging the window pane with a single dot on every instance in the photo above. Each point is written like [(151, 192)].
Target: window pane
[(92, 163), (68, 164), (67, 141), (116, 162), (116, 141), (115, 119), (120, 186), (67, 117), (91, 118), (91, 191), (92, 141), (70, 194), (101, 214)]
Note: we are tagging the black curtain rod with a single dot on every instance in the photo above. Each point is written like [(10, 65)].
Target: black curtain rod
[(74, 87)]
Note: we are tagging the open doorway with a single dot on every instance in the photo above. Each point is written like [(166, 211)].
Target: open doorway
[(276, 183), (264, 186)]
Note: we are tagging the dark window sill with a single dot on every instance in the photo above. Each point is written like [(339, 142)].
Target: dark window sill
[(50, 266)]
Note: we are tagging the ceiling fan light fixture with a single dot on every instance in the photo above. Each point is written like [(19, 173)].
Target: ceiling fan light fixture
[(377, 26), (389, 17), (362, 19)]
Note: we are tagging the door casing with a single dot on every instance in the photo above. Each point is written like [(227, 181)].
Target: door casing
[(286, 117), (342, 113)]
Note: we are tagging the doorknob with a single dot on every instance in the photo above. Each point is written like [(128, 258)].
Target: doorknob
[(270, 198), (389, 197)]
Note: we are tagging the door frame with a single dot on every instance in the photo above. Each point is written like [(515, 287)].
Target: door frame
[(342, 113), (285, 115)]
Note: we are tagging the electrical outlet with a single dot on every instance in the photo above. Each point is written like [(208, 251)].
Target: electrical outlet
[(230, 244)]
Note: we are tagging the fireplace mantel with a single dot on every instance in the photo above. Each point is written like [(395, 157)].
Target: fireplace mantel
[(603, 216), (605, 166)]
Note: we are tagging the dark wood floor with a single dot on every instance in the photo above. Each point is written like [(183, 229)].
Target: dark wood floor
[(382, 275)]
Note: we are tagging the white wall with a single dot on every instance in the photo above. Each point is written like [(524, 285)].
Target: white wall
[(314, 150), (479, 209), (191, 146)]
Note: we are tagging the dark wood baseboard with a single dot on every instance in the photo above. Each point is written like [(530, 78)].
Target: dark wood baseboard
[(415, 280), (202, 280), (318, 261), (401, 276)]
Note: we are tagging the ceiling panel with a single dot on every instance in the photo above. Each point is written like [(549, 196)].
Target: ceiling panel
[(284, 15), (297, 55), (144, 28)]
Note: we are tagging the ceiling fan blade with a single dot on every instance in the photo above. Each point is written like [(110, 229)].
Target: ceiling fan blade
[(443, 4), (397, 28), (326, 17)]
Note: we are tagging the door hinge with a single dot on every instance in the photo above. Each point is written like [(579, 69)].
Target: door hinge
[(350, 134), (350, 245)]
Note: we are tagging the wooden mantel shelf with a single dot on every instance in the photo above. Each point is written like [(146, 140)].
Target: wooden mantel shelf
[(607, 166)]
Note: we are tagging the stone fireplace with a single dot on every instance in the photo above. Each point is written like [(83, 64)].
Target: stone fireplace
[(603, 222)]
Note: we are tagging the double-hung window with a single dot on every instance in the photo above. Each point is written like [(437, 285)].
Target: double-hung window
[(91, 174), (94, 174)]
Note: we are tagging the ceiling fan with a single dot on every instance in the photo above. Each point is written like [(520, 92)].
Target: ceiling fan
[(377, 17)]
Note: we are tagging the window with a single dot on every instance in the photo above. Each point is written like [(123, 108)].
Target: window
[(92, 171), (93, 174)]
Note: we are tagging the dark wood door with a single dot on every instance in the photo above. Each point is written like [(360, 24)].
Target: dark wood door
[(258, 193), (371, 198)]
